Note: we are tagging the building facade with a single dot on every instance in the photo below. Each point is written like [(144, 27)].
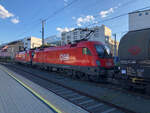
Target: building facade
[(101, 33), (139, 20), (111, 44), (13, 48), (32, 42), (52, 41)]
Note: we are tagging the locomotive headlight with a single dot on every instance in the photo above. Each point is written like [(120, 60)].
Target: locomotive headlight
[(98, 63)]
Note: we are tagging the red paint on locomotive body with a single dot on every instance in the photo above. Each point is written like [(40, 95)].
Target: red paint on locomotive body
[(24, 57), (85, 55), (20, 57), (72, 55)]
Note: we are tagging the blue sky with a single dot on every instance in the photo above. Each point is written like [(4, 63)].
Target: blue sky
[(21, 18)]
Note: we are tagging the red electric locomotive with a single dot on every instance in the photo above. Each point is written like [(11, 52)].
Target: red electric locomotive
[(20, 57), (86, 59), (24, 57)]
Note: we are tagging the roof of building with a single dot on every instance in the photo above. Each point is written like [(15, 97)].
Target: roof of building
[(14, 42), (138, 11)]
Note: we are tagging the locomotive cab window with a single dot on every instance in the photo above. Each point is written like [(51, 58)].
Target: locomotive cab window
[(86, 51), (103, 51), (100, 50)]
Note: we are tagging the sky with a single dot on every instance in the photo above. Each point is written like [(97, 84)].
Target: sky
[(22, 18)]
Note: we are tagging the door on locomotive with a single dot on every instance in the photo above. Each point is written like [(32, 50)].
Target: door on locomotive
[(87, 55)]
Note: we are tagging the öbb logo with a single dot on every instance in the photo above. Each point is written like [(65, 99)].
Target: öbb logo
[(64, 56), (135, 50)]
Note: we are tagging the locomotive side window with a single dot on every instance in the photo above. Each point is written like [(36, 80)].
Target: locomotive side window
[(86, 51), (100, 50)]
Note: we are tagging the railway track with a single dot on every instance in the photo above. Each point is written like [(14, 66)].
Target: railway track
[(85, 101)]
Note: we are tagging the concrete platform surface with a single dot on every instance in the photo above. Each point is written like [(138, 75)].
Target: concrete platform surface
[(14, 98)]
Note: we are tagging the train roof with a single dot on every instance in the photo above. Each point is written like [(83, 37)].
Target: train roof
[(80, 44), (135, 45)]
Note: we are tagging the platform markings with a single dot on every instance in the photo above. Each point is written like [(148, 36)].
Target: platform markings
[(52, 107)]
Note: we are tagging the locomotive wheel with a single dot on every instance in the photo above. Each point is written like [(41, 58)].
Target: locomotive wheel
[(74, 75), (50, 69), (83, 76), (60, 70), (47, 68), (94, 78)]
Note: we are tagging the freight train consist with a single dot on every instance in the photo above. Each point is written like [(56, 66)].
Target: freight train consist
[(85, 59), (134, 53)]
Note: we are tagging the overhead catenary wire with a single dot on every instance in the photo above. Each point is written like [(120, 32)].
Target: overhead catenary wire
[(26, 31), (124, 14), (50, 16), (119, 6), (71, 3), (60, 10), (112, 18)]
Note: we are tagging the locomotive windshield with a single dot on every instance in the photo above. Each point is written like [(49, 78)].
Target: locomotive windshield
[(103, 51)]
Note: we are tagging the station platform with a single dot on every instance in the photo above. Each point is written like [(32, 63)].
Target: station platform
[(18, 97)]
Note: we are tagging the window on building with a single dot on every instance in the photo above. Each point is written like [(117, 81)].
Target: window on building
[(75, 37), (140, 14), (68, 37), (63, 34), (75, 33), (146, 13), (81, 36), (96, 34), (81, 32), (86, 51)]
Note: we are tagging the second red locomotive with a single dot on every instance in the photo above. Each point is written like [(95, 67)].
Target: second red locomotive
[(86, 59)]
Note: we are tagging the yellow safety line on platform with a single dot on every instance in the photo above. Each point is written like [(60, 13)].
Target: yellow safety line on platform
[(32, 91)]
